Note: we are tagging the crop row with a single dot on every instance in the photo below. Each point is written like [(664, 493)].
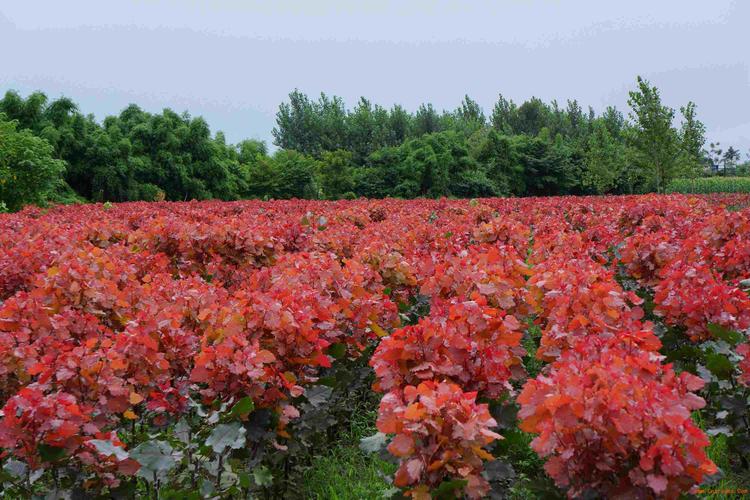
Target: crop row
[(202, 316)]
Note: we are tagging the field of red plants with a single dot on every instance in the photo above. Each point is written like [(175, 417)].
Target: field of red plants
[(188, 350)]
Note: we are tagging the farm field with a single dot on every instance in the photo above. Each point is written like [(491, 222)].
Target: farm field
[(499, 348)]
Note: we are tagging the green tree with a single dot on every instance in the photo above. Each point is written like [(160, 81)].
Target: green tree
[(426, 121), (730, 159), (655, 142), (362, 133), (547, 166), (504, 115), (604, 159), (469, 117), (262, 178), (382, 172), (297, 124), (336, 171), (497, 156), (251, 151), (399, 126), (28, 172), (533, 115), (692, 140), (296, 175)]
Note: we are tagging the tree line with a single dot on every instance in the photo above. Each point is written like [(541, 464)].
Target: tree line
[(50, 150)]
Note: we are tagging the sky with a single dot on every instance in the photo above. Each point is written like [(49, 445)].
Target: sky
[(234, 61)]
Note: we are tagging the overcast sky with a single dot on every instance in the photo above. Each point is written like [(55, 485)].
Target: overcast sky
[(234, 61)]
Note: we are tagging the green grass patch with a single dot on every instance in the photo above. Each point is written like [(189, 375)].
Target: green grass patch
[(734, 483), (705, 185), (345, 471)]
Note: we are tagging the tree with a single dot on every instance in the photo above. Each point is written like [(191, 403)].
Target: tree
[(426, 121), (469, 117), (533, 115), (297, 125), (504, 115), (655, 141), (399, 125), (714, 155), (250, 151), (328, 150), (295, 175), (576, 119), (331, 122), (361, 130), (382, 172), (730, 159), (614, 121), (28, 172), (336, 174), (496, 154), (604, 159), (692, 139), (547, 167)]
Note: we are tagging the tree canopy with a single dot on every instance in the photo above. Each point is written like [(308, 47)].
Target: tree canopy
[(326, 150)]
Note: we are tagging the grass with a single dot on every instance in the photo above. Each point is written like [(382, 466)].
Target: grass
[(733, 484), (346, 472)]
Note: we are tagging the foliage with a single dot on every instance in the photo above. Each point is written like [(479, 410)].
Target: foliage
[(654, 140), (220, 349), (28, 171), (328, 150), (440, 433), (605, 160)]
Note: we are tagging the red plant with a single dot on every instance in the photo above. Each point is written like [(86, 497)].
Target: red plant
[(467, 343), (440, 434), (618, 424)]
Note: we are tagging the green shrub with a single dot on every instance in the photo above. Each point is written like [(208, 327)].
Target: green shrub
[(28, 172), (710, 185)]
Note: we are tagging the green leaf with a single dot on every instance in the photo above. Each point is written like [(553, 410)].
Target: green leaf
[(337, 350), (155, 458), (448, 489), (244, 480), (226, 436), (242, 407), (719, 365), (50, 453), (318, 395), (170, 494), (374, 443), (729, 336), (207, 488), (107, 448), (182, 431), (262, 476), (15, 468)]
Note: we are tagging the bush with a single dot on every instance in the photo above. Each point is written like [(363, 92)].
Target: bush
[(150, 192), (28, 173), (710, 185)]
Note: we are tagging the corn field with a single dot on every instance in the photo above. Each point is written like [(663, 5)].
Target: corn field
[(710, 185)]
